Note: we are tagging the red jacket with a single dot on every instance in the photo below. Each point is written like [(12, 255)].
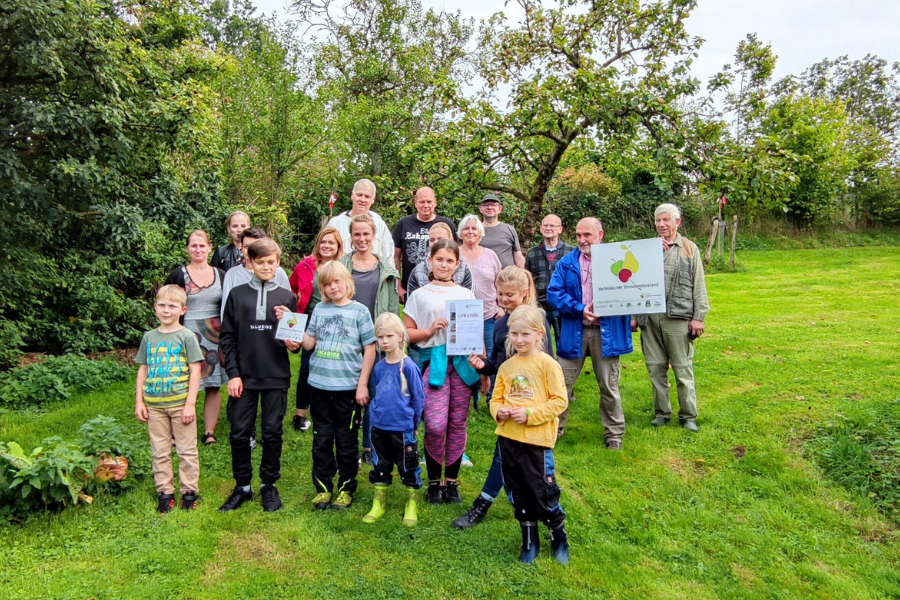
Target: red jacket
[(302, 281)]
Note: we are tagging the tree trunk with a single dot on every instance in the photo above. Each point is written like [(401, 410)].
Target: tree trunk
[(734, 227), (712, 238)]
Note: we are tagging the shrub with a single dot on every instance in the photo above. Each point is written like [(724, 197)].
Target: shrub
[(56, 378), (106, 436), (11, 343)]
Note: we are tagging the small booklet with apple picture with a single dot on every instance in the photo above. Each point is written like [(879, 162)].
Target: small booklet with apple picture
[(291, 327)]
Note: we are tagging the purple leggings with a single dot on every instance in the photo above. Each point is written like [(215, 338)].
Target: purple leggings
[(445, 414)]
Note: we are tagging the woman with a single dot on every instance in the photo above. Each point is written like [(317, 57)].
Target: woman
[(229, 256), (486, 267), (376, 289), (203, 285), (420, 273), (326, 248)]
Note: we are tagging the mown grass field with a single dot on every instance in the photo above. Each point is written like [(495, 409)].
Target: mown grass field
[(736, 511)]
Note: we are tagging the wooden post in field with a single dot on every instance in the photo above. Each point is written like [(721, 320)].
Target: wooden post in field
[(734, 226), (712, 238)]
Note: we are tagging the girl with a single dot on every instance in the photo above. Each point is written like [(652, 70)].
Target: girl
[(375, 280), (515, 288), (529, 397), (343, 336), (396, 412), (447, 379), (203, 285), (327, 247), (229, 256)]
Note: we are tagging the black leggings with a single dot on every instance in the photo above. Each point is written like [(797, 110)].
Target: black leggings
[(434, 468), (303, 390)]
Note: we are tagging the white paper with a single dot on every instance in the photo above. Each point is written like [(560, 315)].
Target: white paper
[(465, 332), (291, 327), (628, 278)]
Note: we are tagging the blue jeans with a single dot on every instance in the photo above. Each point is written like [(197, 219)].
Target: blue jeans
[(489, 347), (494, 481)]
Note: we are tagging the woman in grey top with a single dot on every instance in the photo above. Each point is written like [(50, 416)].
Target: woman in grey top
[(203, 285)]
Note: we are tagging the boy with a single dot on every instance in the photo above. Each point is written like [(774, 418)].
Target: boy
[(168, 379), (259, 372)]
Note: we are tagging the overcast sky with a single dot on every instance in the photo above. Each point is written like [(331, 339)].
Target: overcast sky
[(802, 32)]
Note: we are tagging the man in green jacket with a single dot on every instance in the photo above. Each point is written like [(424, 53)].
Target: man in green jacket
[(668, 338)]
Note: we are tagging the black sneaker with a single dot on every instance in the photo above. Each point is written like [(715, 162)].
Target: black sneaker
[(451, 493), (367, 458), (435, 494), (271, 501), (189, 500), (166, 503), (236, 499), (300, 423)]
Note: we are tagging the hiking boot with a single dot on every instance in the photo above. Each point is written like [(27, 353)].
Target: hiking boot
[(474, 515), (411, 512), (531, 542), (660, 421), (166, 503), (366, 458), (451, 493), (271, 501), (236, 499), (322, 501), (435, 493), (343, 502), (559, 541), (300, 423), (690, 425), (379, 502), (189, 501), (614, 445)]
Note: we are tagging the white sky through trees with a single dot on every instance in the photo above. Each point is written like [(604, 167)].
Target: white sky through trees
[(802, 32)]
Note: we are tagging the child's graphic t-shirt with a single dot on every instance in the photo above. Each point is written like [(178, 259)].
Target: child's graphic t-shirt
[(341, 333), (168, 356)]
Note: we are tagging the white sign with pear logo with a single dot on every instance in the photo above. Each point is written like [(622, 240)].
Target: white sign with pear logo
[(628, 277)]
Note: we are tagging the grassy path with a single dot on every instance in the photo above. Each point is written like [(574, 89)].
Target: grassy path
[(735, 511)]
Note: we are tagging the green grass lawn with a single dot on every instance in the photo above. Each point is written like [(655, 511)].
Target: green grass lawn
[(736, 511)]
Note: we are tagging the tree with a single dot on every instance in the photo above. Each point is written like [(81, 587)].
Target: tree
[(579, 69)]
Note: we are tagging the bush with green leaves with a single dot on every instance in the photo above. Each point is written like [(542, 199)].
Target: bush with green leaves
[(57, 378), (105, 435), (11, 343)]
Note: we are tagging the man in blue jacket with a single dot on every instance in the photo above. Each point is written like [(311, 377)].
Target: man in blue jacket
[(583, 333)]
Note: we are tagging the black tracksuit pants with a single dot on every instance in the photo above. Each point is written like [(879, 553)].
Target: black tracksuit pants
[(336, 417), (395, 448), (529, 473), (242, 416)]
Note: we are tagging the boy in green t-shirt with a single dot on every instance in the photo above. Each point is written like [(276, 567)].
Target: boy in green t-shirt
[(166, 396)]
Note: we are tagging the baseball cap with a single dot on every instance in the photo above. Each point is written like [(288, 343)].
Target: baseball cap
[(490, 198)]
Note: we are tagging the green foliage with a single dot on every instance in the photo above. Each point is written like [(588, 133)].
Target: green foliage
[(57, 378), (859, 449), (11, 343)]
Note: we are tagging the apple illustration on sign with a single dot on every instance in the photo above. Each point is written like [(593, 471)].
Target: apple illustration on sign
[(624, 269), (292, 322)]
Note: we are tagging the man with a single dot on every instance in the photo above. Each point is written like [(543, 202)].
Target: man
[(500, 237), (411, 235), (541, 262), (583, 333), (668, 338), (362, 198)]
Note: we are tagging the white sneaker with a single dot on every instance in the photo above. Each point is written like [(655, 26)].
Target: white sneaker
[(466, 462), (252, 442)]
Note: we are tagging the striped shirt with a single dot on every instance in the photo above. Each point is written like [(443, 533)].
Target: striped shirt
[(168, 357), (341, 332)]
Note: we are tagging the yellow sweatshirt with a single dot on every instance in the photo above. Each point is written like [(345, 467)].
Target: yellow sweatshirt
[(535, 383)]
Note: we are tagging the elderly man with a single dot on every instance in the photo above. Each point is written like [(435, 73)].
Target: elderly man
[(541, 263), (362, 198), (668, 338), (500, 237), (411, 235), (583, 333)]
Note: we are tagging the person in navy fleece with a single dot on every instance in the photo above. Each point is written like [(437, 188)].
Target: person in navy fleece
[(396, 413)]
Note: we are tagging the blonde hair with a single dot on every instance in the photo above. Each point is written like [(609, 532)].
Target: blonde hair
[(521, 280), (388, 322), (337, 238), (331, 271), (237, 213), (443, 227), (199, 233), (172, 292), (530, 317)]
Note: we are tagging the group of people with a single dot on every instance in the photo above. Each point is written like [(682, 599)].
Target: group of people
[(364, 367)]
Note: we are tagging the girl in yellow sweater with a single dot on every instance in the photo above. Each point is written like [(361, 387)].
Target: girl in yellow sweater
[(529, 396)]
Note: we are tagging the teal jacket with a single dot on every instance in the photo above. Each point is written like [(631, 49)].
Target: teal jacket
[(387, 299)]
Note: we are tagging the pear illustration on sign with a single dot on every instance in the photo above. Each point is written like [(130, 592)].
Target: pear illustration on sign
[(624, 269)]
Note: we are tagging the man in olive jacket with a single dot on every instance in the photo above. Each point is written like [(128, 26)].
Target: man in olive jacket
[(668, 338)]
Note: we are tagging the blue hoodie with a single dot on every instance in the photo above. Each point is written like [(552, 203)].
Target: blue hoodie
[(391, 410)]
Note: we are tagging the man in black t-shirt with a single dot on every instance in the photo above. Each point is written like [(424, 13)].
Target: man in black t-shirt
[(411, 235)]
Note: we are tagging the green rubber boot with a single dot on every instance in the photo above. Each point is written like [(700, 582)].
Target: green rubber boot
[(379, 502), (411, 512)]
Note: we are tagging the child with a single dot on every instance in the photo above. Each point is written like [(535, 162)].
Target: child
[(229, 256), (259, 372), (168, 380), (342, 334), (396, 411), (447, 379), (515, 288), (529, 397)]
